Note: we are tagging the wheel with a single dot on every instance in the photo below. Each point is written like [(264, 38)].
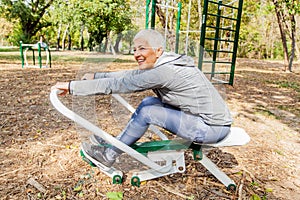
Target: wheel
[(231, 187), (135, 181), (117, 179)]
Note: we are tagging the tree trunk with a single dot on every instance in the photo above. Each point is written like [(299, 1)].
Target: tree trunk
[(64, 37), (58, 37), (118, 40), (293, 30), (282, 33), (105, 44), (297, 55), (90, 42), (81, 38), (69, 41)]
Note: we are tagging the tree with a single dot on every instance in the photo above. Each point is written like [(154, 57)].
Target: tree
[(97, 19), (6, 30), (286, 11), (28, 15), (102, 18)]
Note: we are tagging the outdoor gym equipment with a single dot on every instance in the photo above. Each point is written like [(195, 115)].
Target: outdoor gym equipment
[(219, 26), (162, 157), (39, 47)]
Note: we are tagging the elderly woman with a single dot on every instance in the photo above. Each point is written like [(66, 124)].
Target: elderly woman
[(187, 104)]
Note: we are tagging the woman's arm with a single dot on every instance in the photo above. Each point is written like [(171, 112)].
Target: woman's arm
[(116, 74), (142, 80)]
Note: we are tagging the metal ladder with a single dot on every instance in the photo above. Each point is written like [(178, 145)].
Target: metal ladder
[(219, 39)]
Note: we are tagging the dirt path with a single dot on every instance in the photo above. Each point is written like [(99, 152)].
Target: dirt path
[(38, 143)]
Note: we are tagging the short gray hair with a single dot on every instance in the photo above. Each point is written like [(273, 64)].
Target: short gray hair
[(153, 37)]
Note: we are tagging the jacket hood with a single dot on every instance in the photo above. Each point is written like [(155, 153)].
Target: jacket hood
[(169, 57)]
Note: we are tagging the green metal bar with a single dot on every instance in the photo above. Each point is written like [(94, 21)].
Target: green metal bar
[(33, 55), (161, 145), (21, 52), (236, 38), (226, 29), (217, 35), (40, 55), (203, 33), (153, 14), (234, 19), (147, 14), (49, 57), (178, 27)]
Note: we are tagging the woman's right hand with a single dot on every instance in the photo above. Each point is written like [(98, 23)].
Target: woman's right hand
[(62, 86), (88, 76)]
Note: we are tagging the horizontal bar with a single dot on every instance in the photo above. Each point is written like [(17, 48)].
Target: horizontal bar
[(209, 50), (216, 72), (220, 39), (225, 5), (164, 6), (222, 28), (222, 16), (219, 80), (219, 62), (191, 31)]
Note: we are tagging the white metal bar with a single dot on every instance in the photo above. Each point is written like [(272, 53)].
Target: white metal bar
[(191, 31), (164, 6), (212, 168), (107, 137), (188, 28)]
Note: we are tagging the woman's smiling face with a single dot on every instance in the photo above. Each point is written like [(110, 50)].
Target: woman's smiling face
[(144, 54)]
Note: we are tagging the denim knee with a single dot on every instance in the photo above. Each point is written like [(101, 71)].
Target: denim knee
[(150, 101)]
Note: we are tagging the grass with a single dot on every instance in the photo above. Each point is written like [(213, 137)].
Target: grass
[(265, 112), (88, 59), (291, 109), (15, 56), (9, 49), (9, 58), (287, 84)]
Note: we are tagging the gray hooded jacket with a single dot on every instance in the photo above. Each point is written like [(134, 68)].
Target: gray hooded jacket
[(174, 79)]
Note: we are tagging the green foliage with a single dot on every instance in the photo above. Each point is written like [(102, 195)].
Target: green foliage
[(257, 38), (95, 19), (255, 197), (28, 17), (114, 195)]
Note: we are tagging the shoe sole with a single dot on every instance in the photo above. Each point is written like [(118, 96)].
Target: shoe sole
[(95, 162)]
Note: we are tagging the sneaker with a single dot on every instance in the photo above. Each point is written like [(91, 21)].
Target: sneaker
[(97, 153), (96, 140)]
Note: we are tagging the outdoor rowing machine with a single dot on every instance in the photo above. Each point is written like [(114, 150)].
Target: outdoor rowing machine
[(162, 158)]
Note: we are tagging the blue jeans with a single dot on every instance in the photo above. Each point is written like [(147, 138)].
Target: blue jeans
[(190, 127)]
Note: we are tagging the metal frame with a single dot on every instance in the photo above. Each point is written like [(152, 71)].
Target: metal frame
[(32, 47), (215, 50), (217, 38), (168, 152), (152, 18)]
